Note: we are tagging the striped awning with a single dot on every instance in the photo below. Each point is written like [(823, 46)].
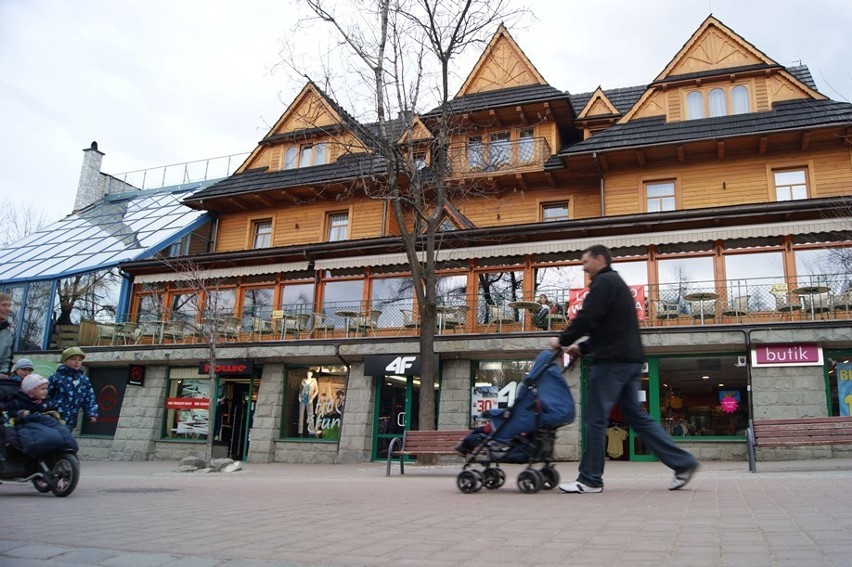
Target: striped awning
[(177, 276)]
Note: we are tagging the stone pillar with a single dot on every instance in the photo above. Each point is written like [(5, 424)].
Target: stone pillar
[(141, 420), (267, 414), (90, 188), (356, 427), (454, 411)]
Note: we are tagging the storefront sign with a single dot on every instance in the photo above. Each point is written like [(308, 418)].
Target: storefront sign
[(228, 367), (396, 364), (109, 385), (136, 375), (187, 403), (844, 387), (577, 296), (805, 354)]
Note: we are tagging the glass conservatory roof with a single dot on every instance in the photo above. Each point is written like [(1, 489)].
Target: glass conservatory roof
[(118, 228)]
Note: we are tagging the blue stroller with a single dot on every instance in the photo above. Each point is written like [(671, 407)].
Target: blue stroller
[(524, 433)]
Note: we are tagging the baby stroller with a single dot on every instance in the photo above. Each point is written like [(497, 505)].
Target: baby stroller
[(524, 433)]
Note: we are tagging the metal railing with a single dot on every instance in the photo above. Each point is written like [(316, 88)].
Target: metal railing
[(183, 173), (686, 303)]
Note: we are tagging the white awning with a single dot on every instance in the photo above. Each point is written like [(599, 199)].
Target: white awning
[(622, 241), (177, 276)]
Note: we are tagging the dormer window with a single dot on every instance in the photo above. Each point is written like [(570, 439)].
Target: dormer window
[(717, 101)]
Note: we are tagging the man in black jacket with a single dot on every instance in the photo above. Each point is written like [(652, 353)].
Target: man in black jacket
[(614, 345)]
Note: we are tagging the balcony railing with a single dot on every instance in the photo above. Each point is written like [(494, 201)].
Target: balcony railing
[(496, 157), (687, 304)]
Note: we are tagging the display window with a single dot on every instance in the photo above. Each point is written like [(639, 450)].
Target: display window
[(314, 397), (495, 383), (703, 396), (187, 405), (839, 383)]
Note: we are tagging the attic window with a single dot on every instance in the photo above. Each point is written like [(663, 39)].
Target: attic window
[(717, 101)]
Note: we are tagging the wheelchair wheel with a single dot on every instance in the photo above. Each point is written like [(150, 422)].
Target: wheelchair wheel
[(530, 481), (469, 481), (550, 478)]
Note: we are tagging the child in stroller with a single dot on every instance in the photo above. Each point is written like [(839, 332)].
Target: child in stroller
[(524, 433)]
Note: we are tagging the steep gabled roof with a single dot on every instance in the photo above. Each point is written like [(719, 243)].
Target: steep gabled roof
[(502, 64), (496, 99), (785, 116), (347, 168), (598, 105)]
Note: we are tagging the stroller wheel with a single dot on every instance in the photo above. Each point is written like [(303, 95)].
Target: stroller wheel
[(469, 481), (493, 478), (530, 481), (550, 478), (41, 485)]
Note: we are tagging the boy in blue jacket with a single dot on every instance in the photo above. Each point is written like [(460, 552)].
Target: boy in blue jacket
[(70, 389)]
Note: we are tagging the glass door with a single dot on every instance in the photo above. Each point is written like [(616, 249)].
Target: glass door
[(397, 410), (236, 403)]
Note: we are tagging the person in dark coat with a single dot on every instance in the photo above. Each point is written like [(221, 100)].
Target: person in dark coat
[(608, 318), (31, 398)]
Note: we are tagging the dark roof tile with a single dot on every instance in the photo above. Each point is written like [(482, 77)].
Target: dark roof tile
[(498, 98)]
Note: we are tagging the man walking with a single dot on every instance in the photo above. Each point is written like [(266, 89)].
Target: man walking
[(608, 318)]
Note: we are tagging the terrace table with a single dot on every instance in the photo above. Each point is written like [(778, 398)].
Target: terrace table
[(701, 297), (532, 307), (348, 315), (811, 290)]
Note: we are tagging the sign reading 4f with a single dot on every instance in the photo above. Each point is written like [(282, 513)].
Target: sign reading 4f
[(400, 364)]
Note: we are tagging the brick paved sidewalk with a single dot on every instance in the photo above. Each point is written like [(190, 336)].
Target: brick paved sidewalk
[(126, 514)]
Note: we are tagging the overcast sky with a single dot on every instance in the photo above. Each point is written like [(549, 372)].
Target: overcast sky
[(158, 82)]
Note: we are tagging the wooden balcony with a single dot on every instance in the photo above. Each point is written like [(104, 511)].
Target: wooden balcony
[(491, 159)]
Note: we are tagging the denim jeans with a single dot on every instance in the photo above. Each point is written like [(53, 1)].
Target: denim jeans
[(611, 382)]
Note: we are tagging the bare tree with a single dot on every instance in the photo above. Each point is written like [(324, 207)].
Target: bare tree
[(18, 221), (400, 50), (202, 313)]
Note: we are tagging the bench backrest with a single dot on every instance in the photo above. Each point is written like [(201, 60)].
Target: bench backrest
[(431, 440)]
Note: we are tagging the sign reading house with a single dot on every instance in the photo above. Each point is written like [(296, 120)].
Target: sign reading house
[(801, 354), (228, 367)]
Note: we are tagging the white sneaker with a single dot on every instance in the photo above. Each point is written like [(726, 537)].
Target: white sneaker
[(577, 487), (681, 479)]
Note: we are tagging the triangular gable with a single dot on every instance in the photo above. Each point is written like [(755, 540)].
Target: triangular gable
[(598, 105), (417, 132), (310, 109), (713, 46), (502, 65)]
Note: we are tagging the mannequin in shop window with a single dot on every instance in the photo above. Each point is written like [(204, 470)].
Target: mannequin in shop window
[(307, 396)]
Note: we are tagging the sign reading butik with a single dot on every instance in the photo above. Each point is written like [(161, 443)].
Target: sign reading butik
[(803, 354)]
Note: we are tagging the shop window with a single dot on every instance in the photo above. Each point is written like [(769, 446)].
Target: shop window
[(495, 384), (262, 233), (790, 184), (187, 405), (840, 384), (552, 212), (660, 196), (314, 398), (338, 227), (703, 397)]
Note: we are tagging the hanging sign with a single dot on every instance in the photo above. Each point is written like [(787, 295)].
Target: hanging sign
[(136, 375)]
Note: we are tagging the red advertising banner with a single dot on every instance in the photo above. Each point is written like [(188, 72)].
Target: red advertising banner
[(578, 295), (187, 403)]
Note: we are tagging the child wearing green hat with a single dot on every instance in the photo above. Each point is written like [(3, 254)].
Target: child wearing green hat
[(70, 389)]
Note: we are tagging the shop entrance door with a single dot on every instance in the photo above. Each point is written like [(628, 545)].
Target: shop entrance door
[(397, 410), (236, 401)]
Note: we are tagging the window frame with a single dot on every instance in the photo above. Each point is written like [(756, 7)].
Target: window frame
[(329, 225), (674, 181), (256, 225), (775, 171), (704, 91), (545, 205)]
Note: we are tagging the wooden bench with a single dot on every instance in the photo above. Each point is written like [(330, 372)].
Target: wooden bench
[(796, 432), (423, 443)]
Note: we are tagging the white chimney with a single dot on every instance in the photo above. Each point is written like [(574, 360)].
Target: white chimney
[(91, 187)]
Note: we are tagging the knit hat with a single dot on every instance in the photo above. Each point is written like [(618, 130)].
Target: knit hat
[(23, 363), (72, 351), (32, 382)]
